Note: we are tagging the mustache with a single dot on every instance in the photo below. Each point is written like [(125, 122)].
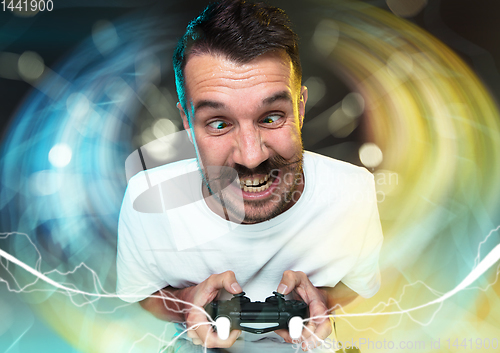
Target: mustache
[(266, 167)]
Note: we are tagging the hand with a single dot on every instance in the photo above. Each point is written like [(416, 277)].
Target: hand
[(202, 294), (317, 329)]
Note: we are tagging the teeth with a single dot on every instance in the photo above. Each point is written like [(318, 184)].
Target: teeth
[(250, 185)]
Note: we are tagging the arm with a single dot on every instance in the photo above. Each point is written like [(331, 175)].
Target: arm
[(340, 295), (183, 305), (167, 309)]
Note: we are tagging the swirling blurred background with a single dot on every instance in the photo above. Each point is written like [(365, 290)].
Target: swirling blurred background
[(407, 89)]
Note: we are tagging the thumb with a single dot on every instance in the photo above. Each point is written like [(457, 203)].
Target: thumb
[(229, 282)]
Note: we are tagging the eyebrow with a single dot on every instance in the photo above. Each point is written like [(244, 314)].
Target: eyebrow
[(280, 96), (209, 104), (283, 95)]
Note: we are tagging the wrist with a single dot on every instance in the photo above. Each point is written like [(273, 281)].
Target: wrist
[(338, 296), (180, 300), (325, 296)]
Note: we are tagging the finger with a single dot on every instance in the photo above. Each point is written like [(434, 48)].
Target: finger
[(318, 330), (203, 330), (318, 316), (205, 333), (212, 340), (197, 342), (226, 280), (323, 330), (198, 325), (284, 334), (308, 330), (192, 334), (289, 281)]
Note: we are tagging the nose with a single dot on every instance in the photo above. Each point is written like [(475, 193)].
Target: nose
[(251, 149)]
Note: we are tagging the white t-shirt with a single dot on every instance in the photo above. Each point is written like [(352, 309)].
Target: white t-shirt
[(332, 234)]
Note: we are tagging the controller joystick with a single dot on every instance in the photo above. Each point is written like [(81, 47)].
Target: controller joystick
[(223, 325), (295, 327), (240, 313)]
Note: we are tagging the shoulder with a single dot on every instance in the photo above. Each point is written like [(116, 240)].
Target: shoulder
[(322, 168)]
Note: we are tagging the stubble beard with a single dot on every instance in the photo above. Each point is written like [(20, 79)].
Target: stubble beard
[(290, 173)]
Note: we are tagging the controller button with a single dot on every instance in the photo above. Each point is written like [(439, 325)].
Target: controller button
[(260, 326), (279, 295)]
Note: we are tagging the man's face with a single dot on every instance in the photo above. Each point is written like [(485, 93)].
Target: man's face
[(247, 117)]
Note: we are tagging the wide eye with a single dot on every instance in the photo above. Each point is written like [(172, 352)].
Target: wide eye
[(218, 125), (271, 119)]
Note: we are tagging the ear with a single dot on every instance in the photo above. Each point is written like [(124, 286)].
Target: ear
[(302, 105), (185, 121)]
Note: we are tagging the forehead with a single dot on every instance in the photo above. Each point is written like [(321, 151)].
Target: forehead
[(210, 75)]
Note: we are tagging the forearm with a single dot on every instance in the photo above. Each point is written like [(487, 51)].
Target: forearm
[(169, 303), (340, 295)]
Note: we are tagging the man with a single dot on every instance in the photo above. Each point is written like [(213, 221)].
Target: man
[(308, 225)]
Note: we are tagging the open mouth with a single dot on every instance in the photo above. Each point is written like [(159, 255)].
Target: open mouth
[(256, 183)]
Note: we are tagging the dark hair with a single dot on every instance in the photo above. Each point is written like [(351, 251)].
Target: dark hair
[(238, 30)]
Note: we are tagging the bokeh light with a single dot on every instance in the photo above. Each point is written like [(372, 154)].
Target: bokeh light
[(30, 66), (60, 155), (370, 155), (406, 8)]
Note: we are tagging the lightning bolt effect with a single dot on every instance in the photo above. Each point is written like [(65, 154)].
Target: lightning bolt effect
[(491, 259), (62, 180)]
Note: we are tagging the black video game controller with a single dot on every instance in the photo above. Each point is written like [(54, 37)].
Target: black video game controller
[(275, 313)]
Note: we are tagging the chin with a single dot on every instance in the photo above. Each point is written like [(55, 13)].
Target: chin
[(260, 214)]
